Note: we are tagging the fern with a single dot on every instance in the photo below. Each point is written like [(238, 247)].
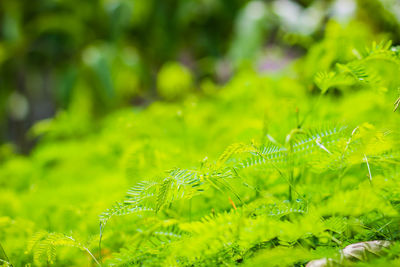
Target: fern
[(324, 149), (151, 196), (232, 150), (382, 51), (359, 71), (148, 244), (266, 154), (121, 209), (325, 80), (44, 245), (259, 203), (312, 144)]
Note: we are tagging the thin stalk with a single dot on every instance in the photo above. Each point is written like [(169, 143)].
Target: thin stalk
[(343, 169), (291, 171), (369, 169), (289, 140), (86, 249), (93, 257), (100, 237), (311, 110), (281, 174), (3, 255)]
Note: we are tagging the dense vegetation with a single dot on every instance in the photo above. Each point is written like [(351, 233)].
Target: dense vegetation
[(268, 169)]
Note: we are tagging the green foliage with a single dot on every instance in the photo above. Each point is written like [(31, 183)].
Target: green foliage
[(360, 71), (273, 170), (43, 245), (330, 157), (174, 81)]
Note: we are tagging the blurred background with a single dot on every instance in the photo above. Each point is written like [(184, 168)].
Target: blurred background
[(62, 57)]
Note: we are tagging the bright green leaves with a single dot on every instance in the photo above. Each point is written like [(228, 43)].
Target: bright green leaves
[(152, 196), (44, 245), (362, 71)]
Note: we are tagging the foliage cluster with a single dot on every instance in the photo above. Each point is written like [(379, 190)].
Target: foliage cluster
[(118, 51), (266, 170)]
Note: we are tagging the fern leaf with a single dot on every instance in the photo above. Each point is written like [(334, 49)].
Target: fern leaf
[(326, 80), (151, 196), (142, 194), (148, 245), (120, 209), (266, 155), (312, 143), (232, 150), (164, 189), (44, 246)]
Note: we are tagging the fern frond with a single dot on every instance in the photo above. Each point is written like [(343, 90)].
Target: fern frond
[(307, 147), (358, 72), (268, 154), (336, 224), (142, 193), (325, 80), (163, 192), (148, 245), (44, 246), (151, 196), (346, 75), (180, 184), (120, 209), (214, 235), (285, 208), (377, 48), (319, 139), (35, 239), (232, 150)]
